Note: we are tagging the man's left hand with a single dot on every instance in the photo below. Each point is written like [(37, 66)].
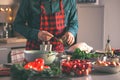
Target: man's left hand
[(69, 38)]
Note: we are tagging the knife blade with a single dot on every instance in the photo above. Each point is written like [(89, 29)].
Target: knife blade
[(58, 39)]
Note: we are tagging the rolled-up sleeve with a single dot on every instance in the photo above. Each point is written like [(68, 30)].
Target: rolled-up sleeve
[(73, 19)]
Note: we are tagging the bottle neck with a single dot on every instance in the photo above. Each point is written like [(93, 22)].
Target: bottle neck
[(108, 48)]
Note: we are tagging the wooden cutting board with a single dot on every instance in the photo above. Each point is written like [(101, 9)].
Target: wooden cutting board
[(12, 40)]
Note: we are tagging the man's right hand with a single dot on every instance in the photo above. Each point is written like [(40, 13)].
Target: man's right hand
[(44, 35)]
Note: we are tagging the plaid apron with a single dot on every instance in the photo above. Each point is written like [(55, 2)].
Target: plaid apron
[(53, 23)]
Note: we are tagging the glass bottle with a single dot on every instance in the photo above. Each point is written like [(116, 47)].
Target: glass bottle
[(108, 48), (5, 33)]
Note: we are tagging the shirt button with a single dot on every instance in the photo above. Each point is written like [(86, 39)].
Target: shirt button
[(53, 0), (68, 11)]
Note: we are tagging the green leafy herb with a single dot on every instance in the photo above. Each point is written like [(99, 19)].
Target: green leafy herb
[(79, 54)]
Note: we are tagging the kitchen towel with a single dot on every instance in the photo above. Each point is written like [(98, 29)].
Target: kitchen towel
[(17, 56)]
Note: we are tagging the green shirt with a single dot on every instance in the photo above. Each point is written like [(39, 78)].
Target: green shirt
[(27, 20)]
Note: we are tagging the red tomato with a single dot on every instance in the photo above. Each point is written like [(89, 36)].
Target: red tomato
[(79, 65), (78, 60), (78, 72), (83, 66), (74, 67), (82, 61), (68, 70), (40, 61), (67, 64), (75, 61)]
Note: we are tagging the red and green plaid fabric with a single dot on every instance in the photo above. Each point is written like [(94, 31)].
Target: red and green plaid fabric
[(53, 23)]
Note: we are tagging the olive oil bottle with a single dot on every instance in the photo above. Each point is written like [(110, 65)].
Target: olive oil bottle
[(108, 48)]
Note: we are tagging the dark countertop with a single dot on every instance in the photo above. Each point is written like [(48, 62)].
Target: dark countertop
[(95, 76)]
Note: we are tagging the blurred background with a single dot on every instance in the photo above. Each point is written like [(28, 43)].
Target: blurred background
[(8, 10)]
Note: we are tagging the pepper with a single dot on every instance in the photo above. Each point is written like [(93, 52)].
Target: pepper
[(37, 65), (40, 61)]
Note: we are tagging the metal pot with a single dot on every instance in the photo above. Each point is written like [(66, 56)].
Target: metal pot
[(49, 57)]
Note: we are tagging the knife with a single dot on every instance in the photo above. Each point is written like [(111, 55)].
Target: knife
[(58, 39)]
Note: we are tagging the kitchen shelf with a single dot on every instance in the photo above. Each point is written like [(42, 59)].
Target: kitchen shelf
[(13, 45)]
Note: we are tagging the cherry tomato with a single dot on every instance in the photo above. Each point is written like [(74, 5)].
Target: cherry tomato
[(78, 72), (67, 64), (78, 60), (74, 67), (79, 65), (75, 61), (83, 66)]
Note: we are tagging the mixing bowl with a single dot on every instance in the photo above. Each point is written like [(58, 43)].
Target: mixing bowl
[(31, 55)]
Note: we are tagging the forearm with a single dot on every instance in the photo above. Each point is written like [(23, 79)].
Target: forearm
[(73, 20), (73, 28)]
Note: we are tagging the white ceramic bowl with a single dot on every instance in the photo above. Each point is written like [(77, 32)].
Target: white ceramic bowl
[(107, 69)]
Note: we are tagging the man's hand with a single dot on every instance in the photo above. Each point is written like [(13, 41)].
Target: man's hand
[(69, 38), (44, 35)]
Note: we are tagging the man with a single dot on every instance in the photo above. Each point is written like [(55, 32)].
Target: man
[(47, 20)]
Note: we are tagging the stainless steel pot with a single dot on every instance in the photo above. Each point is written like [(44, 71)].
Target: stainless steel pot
[(49, 57)]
